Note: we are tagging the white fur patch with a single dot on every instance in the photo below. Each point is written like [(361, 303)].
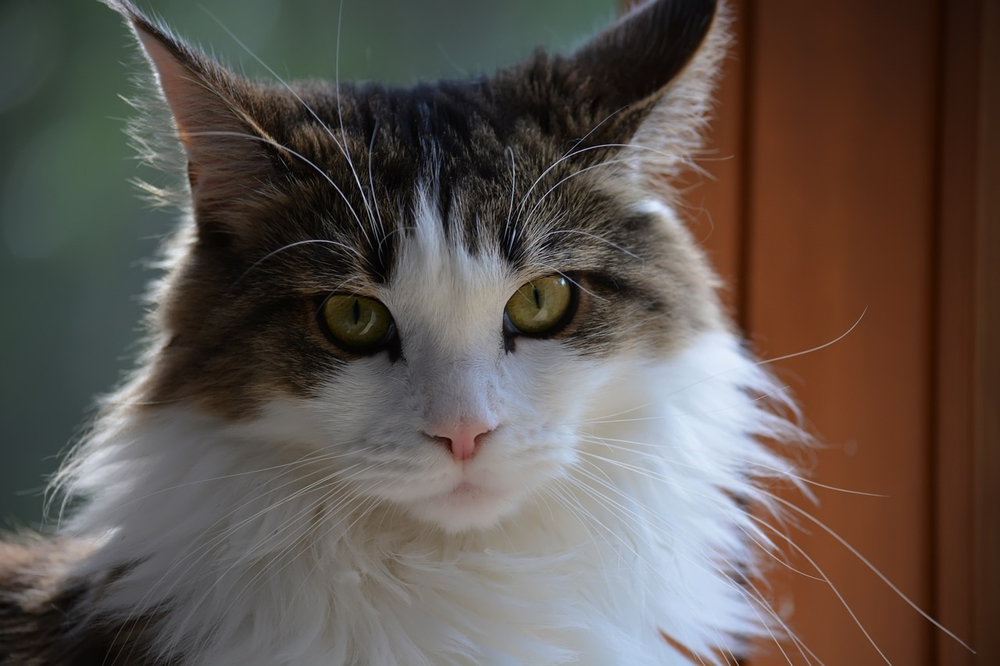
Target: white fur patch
[(255, 555)]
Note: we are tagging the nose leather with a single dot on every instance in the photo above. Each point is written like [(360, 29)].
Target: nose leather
[(463, 439)]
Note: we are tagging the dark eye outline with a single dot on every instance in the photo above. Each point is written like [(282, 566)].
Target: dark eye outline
[(389, 340), (512, 331)]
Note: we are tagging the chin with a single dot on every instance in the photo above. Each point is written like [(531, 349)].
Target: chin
[(468, 507)]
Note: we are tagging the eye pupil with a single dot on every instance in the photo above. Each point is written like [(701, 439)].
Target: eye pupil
[(541, 307), (356, 323)]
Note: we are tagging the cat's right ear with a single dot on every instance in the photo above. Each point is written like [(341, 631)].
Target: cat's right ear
[(211, 108), (647, 82)]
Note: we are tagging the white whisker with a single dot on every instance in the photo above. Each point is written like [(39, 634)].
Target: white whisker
[(278, 146), (580, 232), (871, 567), (290, 246), (341, 146)]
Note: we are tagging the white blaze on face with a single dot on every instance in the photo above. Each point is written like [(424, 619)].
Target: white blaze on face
[(387, 420), (449, 305)]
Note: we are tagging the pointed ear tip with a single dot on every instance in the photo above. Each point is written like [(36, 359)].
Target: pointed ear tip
[(133, 15), (692, 12), (700, 8), (123, 7), (706, 6)]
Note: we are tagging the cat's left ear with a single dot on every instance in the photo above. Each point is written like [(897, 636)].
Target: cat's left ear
[(219, 124), (648, 80)]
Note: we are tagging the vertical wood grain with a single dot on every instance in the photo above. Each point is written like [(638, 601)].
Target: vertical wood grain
[(954, 368), (841, 220), (986, 465)]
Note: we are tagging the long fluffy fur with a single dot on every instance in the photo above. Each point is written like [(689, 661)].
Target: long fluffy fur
[(588, 572)]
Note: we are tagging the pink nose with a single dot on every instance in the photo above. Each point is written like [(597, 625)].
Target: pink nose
[(462, 439)]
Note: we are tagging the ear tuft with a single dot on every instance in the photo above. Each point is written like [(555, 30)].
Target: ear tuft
[(210, 108)]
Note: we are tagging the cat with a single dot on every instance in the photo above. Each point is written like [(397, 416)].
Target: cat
[(435, 375)]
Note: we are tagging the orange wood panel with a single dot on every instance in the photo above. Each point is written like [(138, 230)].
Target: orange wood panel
[(986, 465), (841, 215), (955, 329)]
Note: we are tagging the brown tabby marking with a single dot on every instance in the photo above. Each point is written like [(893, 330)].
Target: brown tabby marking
[(297, 190), (44, 617)]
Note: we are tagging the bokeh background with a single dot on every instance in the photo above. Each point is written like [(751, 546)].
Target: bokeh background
[(74, 235)]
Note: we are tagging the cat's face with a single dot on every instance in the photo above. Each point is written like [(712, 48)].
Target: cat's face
[(426, 292)]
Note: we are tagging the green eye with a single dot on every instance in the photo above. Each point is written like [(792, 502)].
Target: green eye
[(540, 307), (356, 323)]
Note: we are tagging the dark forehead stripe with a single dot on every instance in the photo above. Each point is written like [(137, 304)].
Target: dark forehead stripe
[(448, 127), (396, 140), (465, 142), (468, 143)]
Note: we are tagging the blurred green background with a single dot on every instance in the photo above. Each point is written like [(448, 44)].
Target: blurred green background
[(73, 233)]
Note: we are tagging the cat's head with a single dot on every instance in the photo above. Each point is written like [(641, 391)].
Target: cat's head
[(430, 290)]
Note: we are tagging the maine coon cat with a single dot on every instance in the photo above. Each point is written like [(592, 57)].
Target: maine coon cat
[(435, 375)]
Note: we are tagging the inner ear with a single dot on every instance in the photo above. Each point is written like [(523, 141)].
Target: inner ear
[(222, 121), (212, 111)]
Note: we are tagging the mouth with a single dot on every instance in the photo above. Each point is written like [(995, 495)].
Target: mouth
[(466, 491), (466, 505), (474, 496)]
